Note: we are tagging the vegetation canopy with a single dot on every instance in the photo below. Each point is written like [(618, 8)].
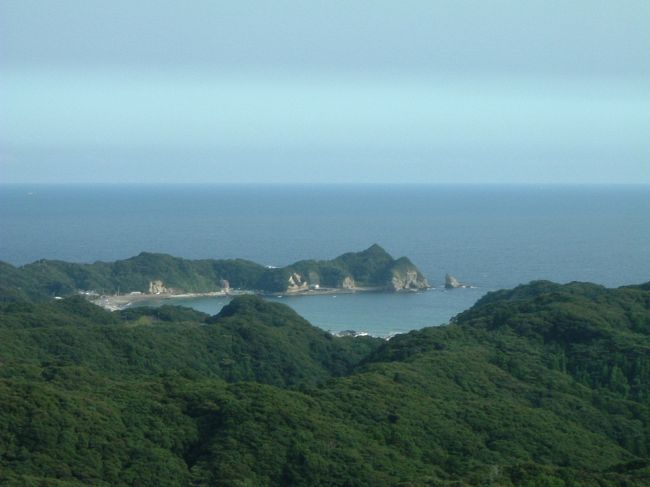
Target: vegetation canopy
[(541, 385)]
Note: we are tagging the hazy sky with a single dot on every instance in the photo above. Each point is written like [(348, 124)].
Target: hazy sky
[(324, 91)]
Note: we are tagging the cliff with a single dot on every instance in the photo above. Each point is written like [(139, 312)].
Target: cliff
[(371, 268)]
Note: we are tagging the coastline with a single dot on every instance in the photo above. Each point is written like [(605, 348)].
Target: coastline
[(116, 302)]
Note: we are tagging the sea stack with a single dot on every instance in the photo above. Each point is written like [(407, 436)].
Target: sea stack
[(452, 283)]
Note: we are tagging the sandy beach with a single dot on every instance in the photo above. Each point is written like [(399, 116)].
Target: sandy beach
[(120, 301)]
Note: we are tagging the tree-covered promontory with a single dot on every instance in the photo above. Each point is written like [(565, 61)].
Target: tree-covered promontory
[(147, 272), (542, 385)]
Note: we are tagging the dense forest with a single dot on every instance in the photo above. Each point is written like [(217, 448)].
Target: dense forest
[(541, 385), (43, 279)]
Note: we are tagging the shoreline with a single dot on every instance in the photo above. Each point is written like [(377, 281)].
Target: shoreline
[(117, 302)]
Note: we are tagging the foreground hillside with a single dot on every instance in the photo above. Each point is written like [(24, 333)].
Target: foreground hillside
[(543, 385), (156, 273)]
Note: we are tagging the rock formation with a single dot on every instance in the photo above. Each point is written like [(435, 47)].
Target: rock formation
[(452, 283), (410, 280), (157, 287), (348, 283), (296, 283)]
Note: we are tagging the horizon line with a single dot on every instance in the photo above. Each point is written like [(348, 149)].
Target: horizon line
[(329, 183)]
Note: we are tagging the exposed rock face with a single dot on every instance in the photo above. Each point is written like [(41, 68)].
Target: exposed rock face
[(348, 283), (296, 283), (157, 287), (410, 280), (452, 283)]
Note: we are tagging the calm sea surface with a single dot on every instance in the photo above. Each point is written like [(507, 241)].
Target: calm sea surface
[(489, 236)]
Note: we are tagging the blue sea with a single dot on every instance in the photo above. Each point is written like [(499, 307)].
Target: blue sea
[(491, 237)]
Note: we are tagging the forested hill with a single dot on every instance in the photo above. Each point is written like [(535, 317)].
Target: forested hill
[(542, 385), (250, 339), (373, 267)]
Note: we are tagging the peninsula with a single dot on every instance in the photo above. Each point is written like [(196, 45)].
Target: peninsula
[(150, 274)]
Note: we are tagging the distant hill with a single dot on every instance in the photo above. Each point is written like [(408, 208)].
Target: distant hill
[(541, 385), (148, 272)]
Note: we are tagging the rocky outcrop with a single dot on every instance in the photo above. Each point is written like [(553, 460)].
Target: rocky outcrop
[(348, 283), (296, 283), (452, 283), (157, 287), (409, 280)]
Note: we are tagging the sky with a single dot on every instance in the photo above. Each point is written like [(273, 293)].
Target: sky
[(502, 91)]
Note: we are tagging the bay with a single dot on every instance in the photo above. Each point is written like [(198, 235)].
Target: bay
[(490, 236)]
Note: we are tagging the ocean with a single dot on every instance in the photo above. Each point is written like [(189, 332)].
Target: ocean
[(489, 236)]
